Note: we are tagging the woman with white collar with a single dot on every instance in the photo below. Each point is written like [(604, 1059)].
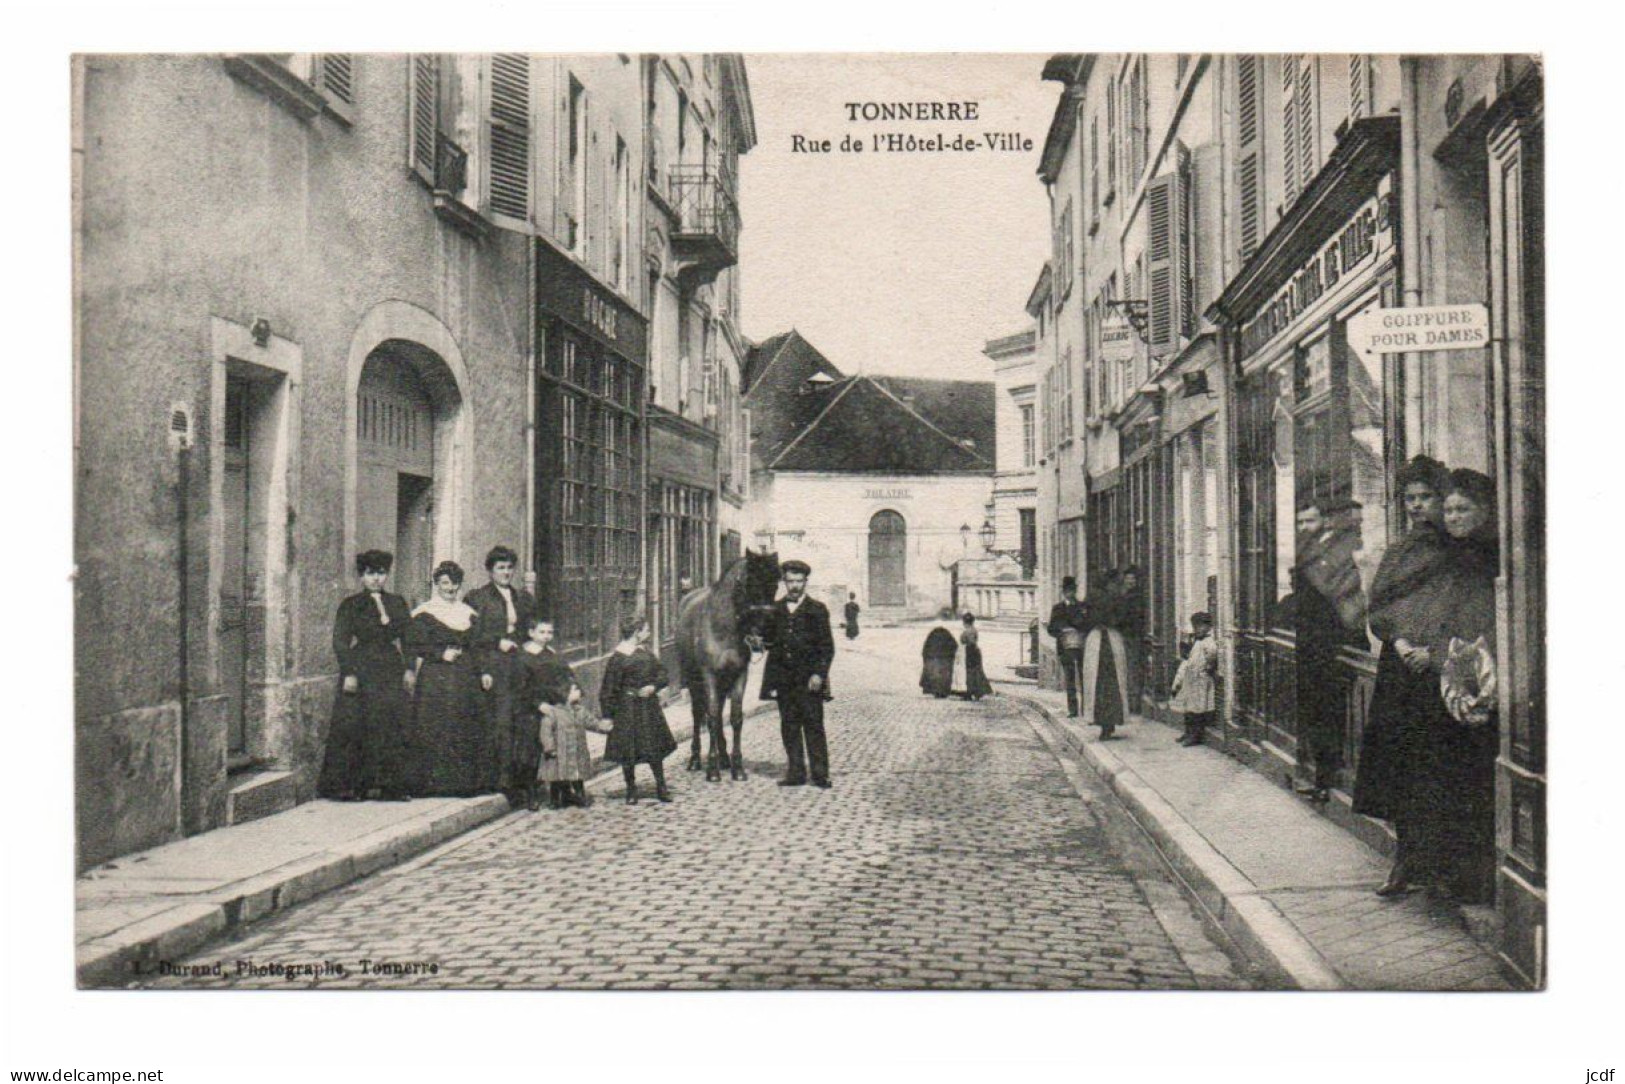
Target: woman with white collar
[(450, 744)]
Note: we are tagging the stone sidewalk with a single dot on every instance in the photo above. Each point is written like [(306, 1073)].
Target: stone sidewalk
[(1290, 887), (162, 904)]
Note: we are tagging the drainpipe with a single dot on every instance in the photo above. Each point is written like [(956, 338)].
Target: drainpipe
[(183, 616), (527, 530), (1410, 221)]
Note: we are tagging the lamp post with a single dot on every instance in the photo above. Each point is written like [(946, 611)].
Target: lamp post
[(964, 537)]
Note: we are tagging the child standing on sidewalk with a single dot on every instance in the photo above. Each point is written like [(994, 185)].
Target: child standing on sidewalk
[(1192, 692), (557, 726)]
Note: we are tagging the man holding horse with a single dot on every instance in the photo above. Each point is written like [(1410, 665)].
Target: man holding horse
[(800, 649)]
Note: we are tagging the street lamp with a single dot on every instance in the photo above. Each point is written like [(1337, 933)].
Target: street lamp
[(964, 536), (989, 533)]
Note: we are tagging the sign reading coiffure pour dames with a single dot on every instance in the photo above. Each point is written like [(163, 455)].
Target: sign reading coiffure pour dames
[(566, 291)]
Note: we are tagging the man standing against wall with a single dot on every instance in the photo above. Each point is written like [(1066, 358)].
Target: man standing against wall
[(800, 648)]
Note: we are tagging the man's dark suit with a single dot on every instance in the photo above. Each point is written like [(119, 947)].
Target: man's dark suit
[(799, 647)]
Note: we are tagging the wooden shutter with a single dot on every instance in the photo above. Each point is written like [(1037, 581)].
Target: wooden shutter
[(1250, 216), (334, 76), (1359, 86), (1165, 276), (1289, 125), (422, 112), (1186, 210), (509, 169), (1308, 122)]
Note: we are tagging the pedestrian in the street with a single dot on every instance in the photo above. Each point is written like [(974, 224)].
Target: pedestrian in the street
[(937, 658), (502, 611), (1192, 694), (852, 611), (1069, 624), (974, 677), (800, 649), (1405, 690), (1106, 660), (366, 755), (1328, 613), (558, 724), (450, 730), (629, 701)]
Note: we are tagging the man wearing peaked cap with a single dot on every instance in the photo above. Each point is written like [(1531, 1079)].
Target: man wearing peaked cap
[(800, 649)]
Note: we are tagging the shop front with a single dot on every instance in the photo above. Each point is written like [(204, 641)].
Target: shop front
[(589, 456), (1317, 444), (682, 513)]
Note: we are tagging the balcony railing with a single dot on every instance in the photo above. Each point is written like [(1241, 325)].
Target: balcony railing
[(707, 233)]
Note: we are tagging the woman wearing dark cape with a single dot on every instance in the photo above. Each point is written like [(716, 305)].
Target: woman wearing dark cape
[(968, 673), (1428, 773), (629, 696), (451, 732), (937, 673)]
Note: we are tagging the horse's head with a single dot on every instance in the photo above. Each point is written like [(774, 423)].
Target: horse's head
[(757, 588)]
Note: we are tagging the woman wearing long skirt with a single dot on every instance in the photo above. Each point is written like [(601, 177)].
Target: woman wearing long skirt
[(937, 669), (971, 677), (366, 755), (452, 746), (1105, 663), (629, 698), (1405, 689)]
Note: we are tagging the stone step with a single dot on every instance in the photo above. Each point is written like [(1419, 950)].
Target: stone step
[(259, 794)]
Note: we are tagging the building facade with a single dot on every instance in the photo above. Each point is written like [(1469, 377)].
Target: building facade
[(699, 122), (886, 521), (325, 303), (1241, 212), (1015, 482)]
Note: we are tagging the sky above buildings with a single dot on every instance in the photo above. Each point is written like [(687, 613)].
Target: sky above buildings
[(893, 262)]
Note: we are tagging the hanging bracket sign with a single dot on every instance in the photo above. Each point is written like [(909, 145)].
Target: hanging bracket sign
[(1116, 339), (1404, 331)]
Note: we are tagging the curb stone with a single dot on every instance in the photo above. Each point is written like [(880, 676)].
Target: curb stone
[(123, 957), (1267, 938)]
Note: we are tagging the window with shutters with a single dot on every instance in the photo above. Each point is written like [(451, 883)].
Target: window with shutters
[(509, 166), (1068, 405), (423, 74), (621, 256), (1250, 212), (1063, 254), (1111, 146), (305, 84), (1360, 89), (1094, 174), (575, 215), (1139, 127), (1300, 123), (1167, 252), (445, 146)]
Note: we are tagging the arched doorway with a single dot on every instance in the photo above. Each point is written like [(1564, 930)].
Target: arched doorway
[(404, 407), (888, 559)]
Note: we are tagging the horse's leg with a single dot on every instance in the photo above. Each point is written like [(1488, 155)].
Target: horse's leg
[(736, 715), (713, 719), (700, 711)]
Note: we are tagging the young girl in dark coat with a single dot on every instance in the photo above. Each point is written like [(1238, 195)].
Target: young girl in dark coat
[(629, 699)]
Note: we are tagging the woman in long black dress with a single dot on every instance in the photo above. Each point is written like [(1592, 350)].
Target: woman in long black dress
[(1405, 689), (451, 740), (366, 754), (1106, 660), (937, 671), (976, 683), (629, 698)]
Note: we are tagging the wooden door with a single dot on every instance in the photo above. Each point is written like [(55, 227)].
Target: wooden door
[(395, 471), (232, 628), (888, 560)]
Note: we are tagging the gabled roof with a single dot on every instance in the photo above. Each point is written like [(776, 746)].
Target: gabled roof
[(807, 415), (847, 435)]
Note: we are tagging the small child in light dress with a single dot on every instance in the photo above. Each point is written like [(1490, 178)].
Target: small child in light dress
[(553, 698), (1192, 694)]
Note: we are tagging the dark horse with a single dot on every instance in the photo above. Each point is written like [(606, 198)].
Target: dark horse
[(714, 628)]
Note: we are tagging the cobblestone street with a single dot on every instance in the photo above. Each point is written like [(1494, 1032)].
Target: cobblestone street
[(954, 851)]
